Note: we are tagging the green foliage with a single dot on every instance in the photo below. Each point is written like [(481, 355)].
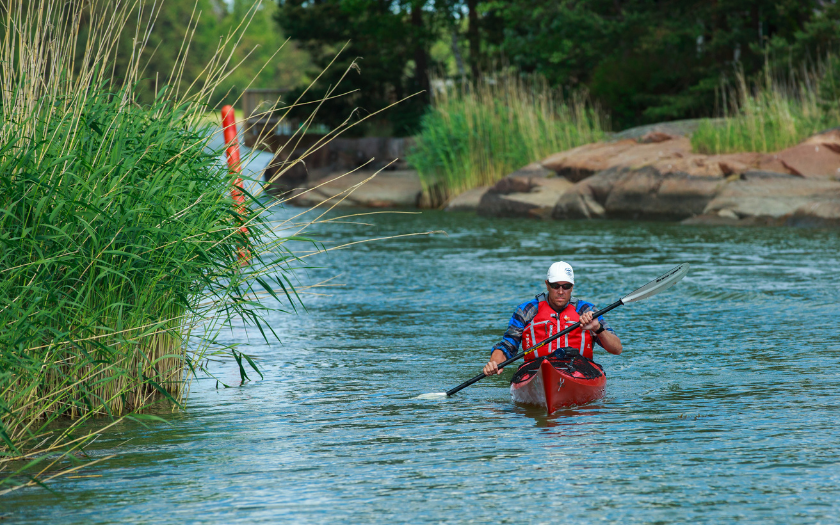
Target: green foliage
[(829, 86), (264, 57), (118, 219), (197, 27), (649, 61), (642, 61), (772, 114), (477, 134), (121, 246), (388, 40)]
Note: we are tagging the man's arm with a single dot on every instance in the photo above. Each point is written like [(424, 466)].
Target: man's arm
[(610, 342), (607, 339), (509, 345)]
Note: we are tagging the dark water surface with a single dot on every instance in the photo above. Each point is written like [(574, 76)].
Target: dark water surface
[(723, 407)]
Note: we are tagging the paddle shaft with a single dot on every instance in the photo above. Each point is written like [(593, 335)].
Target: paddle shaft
[(481, 376)]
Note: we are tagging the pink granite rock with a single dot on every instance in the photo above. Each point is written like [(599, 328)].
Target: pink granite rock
[(467, 201), (812, 160), (653, 137), (768, 194)]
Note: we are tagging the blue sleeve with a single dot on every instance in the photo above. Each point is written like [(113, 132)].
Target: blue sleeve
[(583, 307), (523, 315)]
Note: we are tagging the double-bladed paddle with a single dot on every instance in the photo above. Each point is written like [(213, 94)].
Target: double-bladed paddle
[(649, 290)]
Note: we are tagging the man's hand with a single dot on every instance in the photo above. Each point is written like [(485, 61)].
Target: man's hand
[(588, 323), (492, 366)]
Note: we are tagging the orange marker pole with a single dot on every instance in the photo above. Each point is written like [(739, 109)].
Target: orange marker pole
[(229, 126)]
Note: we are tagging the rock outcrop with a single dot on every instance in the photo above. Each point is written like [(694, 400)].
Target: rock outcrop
[(813, 161), (530, 191), (817, 157), (649, 193), (821, 212), (656, 176), (644, 193), (387, 189), (587, 198), (650, 173), (761, 197), (467, 201)]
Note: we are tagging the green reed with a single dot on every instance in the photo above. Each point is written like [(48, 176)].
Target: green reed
[(119, 242), (773, 112), (475, 134)]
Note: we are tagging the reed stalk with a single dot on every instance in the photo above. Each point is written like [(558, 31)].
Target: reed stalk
[(772, 112), (118, 266), (476, 133)]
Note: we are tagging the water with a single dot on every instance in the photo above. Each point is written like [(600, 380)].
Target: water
[(722, 408)]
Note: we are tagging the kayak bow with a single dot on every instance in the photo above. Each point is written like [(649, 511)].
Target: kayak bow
[(558, 382)]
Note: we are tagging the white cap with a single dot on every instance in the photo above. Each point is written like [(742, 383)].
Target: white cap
[(561, 272)]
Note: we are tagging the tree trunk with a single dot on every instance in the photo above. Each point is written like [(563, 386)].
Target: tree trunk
[(473, 37), (456, 50), (421, 62)]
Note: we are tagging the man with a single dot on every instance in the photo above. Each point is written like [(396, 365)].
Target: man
[(549, 313)]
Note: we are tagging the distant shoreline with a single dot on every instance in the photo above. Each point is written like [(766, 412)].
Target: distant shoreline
[(648, 172)]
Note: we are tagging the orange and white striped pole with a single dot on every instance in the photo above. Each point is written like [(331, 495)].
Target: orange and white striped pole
[(234, 163)]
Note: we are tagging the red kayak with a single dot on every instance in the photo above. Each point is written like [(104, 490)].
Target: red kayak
[(558, 382)]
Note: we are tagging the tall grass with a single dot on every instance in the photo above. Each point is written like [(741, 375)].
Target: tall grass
[(119, 240), (475, 134), (772, 112)]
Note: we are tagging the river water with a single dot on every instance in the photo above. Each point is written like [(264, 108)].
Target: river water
[(723, 407)]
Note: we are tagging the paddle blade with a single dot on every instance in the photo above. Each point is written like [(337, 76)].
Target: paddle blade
[(432, 395), (657, 285)]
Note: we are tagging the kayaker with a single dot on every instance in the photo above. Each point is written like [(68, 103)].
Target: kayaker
[(547, 314)]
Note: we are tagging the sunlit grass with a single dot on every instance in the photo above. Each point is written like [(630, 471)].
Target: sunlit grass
[(475, 134), (121, 247), (119, 236), (770, 114), (122, 250)]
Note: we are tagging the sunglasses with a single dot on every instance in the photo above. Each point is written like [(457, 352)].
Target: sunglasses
[(565, 286)]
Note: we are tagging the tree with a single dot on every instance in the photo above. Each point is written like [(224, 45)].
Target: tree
[(389, 41), (266, 59), (208, 21), (648, 60)]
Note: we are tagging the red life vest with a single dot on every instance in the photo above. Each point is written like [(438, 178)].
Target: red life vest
[(546, 323)]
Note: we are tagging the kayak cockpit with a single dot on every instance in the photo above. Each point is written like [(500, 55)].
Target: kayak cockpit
[(555, 382)]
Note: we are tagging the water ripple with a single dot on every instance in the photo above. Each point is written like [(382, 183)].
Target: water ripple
[(723, 406)]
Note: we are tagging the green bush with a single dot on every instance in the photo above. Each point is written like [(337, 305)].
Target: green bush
[(773, 113), (114, 229), (829, 86), (476, 134), (120, 246)]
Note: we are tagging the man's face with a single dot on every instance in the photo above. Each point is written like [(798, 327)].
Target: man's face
[(558, 294)]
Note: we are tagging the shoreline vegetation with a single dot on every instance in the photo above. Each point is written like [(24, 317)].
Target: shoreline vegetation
[(119, 236), (476, 133), (774, 112), (121, 243)]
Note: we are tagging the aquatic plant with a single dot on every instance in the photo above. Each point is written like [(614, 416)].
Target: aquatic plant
[(773, 112), (476, 133), (121, 254)]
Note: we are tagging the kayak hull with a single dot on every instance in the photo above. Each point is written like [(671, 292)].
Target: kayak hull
[(554, 385)]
